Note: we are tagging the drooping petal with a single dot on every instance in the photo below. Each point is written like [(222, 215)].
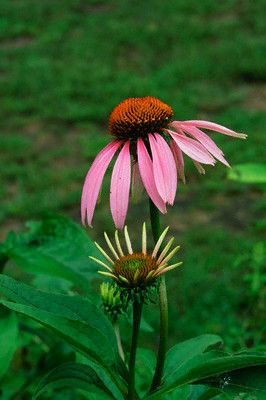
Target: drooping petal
[(120, 185), (192, 148), (178, 156), (164, 168), (146, 173), (94, 178), (215, 127), (206, 141)]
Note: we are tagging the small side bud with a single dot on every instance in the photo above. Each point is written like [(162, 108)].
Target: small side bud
[(114, 303)]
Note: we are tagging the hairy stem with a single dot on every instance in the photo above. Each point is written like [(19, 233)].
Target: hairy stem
[(137, 309), (157, 378)]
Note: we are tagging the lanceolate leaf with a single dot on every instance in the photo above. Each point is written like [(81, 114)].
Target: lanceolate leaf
[(8, 338), (54, 246), (184, 351), (145, 364), (74, 318), (250, 380), (208, 365), (77, 376), (203, 392)]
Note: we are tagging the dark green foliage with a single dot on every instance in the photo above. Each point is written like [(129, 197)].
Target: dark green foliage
[(55, 247), (8, 338), (75, 319), (196, 361), (78, 376), (85, 328)]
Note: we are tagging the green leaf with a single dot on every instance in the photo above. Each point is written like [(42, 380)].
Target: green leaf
[(77, 376), (8, 338), (81, 359), (208, 365), (54, 246), (74, 318), (145, 364), (250, 380), (179, 393), (184, 351), (202, 392), (248, 173)]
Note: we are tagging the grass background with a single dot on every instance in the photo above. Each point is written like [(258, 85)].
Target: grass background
[(64, 64)]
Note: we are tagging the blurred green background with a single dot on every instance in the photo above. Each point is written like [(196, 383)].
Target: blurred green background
[(64, 65)]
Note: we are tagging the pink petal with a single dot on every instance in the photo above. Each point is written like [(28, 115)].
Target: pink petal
[(146, 173), (206, 141), (178, 156), (136, 184), (120, 185), (164, 168), (192, 148), (94, 178), (214, 127)]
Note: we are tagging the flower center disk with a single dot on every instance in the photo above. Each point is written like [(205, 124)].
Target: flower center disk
[(136, 117), (134, 267)]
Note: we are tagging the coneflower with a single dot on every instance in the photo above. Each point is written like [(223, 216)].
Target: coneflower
[(148, 137)]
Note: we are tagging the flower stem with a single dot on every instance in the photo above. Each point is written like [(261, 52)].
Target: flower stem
[(163, 335), (156, 230), (137, 309)]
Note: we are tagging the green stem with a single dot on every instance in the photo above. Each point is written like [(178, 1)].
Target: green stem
[(137, 309), (163, 335), (155, 224)]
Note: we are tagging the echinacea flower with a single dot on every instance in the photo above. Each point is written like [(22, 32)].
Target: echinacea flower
[(131, 269), (144, 129)]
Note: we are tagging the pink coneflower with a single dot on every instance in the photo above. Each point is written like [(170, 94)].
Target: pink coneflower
[(147, 137)]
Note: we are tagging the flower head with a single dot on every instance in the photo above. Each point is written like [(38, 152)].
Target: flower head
[(146, 136), (137, 117), (133, 270)]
